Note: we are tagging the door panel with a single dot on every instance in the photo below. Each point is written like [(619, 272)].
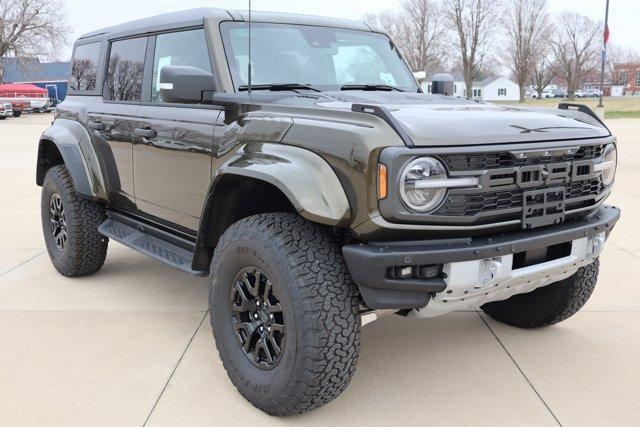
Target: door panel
[(173, 164)]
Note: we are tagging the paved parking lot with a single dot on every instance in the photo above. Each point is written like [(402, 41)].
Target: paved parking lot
[(132, 344)]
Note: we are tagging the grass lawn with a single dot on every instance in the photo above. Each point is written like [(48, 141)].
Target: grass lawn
[(620, 107)]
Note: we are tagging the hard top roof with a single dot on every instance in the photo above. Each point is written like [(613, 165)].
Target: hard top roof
[(196, 17)]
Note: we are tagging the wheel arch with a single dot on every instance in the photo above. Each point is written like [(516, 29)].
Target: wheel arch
[(269, 177), (67, 142)]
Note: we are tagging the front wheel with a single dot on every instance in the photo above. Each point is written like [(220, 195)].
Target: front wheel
[(284, 313), (17, 113), (549, 304)]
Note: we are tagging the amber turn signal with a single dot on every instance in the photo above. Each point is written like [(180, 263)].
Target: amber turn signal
[(382, 181)]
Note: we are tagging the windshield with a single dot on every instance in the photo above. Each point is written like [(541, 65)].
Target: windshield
[(322, 57)]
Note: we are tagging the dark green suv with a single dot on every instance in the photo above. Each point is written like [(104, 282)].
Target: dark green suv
[(296, 162)]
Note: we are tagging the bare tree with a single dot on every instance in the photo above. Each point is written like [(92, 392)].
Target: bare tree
[(575, 47), (542, 74), (472, 21), (527, 26), (419, 32), (30, 28)]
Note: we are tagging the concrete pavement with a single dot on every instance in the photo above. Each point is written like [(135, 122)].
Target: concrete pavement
[(132, 343)]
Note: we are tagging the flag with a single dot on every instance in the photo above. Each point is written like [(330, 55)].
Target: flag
[(606, 34)]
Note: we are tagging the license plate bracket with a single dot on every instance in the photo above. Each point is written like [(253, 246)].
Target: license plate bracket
[(543, 207)]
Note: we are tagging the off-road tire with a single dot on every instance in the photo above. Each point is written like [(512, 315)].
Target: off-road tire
[(549, 304), (85, 249), (320, 305)]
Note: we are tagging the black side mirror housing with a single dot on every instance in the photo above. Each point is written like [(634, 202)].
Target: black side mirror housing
[(185, 84)]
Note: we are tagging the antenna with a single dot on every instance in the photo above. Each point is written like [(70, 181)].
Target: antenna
[(249, 65)]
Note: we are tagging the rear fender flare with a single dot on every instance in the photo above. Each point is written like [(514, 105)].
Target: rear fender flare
[(74, 144)]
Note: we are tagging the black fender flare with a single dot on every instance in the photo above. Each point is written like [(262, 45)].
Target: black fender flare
[(74, 144)]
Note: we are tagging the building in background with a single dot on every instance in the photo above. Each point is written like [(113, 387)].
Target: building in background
[(51, 76), (493, 88), (627, 78)]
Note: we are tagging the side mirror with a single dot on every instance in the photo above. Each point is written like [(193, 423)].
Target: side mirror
[(443, 84), (184, 84)]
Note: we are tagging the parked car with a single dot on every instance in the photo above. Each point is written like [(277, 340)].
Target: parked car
[(6, 110), (559, 93), (323, 194), (588, 93), (545, 94), (18, 106)]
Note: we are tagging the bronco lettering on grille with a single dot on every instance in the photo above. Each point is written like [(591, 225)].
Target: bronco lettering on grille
[(533, 176)]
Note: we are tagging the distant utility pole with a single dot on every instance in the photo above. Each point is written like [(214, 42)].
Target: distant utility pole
[(604, 53)]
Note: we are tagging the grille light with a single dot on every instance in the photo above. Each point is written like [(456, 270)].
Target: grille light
[(608, 164), (424, 183)]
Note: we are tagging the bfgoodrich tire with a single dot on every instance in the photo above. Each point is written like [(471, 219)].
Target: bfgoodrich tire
[(70, 226), (280, 283), (549, 304)]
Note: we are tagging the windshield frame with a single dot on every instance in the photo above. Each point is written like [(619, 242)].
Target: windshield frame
[(226, 26)]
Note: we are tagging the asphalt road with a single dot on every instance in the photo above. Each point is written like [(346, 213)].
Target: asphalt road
[(132, 344)]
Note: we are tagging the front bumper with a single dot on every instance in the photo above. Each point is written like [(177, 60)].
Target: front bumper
[(480, 266)]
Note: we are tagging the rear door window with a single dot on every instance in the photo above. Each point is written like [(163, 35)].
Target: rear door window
[(125, 70), (179, 48), (84, 67)]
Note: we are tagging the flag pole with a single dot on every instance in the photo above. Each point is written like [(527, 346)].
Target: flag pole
[(604, 53)]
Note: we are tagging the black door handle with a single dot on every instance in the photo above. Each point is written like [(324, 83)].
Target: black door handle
[(96, 125), (145, 132)]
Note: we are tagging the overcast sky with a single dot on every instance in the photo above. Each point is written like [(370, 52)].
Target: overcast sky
[(89, 15)]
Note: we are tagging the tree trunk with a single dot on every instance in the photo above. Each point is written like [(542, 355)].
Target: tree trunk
[(469, 82), (539, 93), (522, 90)]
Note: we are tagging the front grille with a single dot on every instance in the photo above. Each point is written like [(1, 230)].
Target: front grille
[(474, 204), (482, 161)]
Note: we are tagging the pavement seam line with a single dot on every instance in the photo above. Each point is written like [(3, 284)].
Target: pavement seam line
[(175, 368), (519, 369), (624, 250), (23, 263)]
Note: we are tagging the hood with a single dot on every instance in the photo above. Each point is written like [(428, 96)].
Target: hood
[(435, 120)]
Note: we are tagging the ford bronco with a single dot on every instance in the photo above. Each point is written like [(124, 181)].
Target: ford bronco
[(296, 162)]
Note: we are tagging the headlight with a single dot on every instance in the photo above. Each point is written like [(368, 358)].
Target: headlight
[(608, 164), (421, 186)]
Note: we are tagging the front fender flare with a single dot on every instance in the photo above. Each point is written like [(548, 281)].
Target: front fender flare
[(303, 176)]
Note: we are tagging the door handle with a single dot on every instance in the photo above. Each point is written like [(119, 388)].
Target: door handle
[(145, 132), (96, 125)]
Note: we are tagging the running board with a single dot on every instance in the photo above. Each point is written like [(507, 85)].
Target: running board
[(156, 243)]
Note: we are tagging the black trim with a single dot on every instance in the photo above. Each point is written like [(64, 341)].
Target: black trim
[(74, 162), (157, 230), (583, 109), (384, 114), (369, 263)]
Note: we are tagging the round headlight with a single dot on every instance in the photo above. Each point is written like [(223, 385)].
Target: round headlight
[(415, 189), (609, 162)]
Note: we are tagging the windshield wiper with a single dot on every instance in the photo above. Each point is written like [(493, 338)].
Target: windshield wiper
[(371, 87), (279, 86)]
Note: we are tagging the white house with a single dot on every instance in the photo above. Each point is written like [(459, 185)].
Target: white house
[(495, 88)]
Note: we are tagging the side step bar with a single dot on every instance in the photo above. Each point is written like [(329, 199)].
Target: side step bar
[(154, 242)]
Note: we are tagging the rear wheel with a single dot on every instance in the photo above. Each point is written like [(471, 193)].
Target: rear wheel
[(17, 113), (549, 304), (284, 313), (70, 226)]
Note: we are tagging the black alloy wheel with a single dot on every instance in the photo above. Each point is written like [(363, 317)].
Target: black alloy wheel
[(257, 318), (58, 222)]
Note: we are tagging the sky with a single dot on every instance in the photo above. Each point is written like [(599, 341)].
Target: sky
[(88, 15)]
